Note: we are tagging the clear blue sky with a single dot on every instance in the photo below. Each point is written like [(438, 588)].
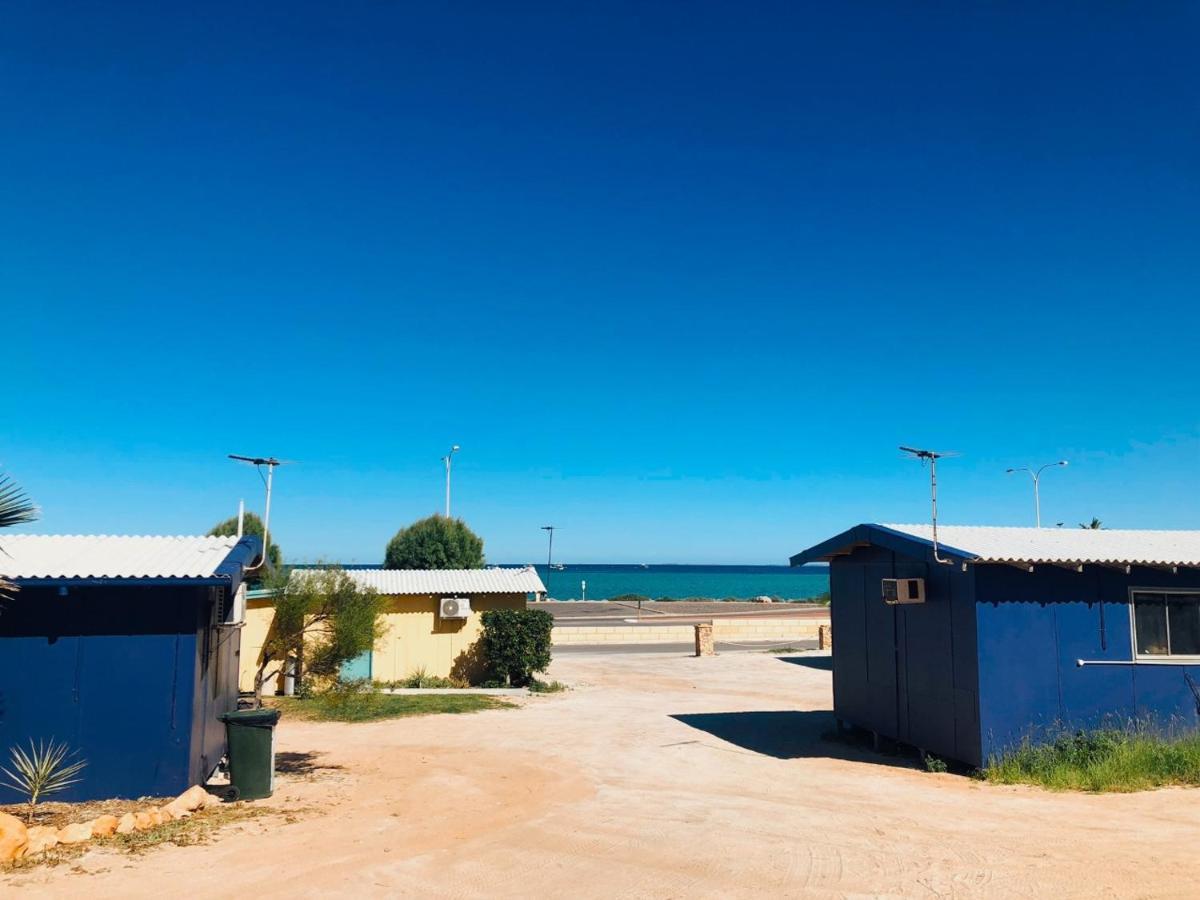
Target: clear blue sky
[(677, 277)]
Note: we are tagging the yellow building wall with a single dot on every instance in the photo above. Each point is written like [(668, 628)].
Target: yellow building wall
[(259, 615), (414, 637)]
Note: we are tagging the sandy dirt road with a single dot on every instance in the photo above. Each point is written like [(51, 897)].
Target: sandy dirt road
[(658, 776)]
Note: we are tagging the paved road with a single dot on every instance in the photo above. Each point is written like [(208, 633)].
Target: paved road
[(677, 649), (576, 613)]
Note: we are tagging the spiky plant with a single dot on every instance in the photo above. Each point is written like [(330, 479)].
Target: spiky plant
[(15, 506), (46, 768), (15, 509)]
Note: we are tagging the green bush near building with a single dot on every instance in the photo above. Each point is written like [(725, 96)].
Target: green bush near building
[(515, 644)]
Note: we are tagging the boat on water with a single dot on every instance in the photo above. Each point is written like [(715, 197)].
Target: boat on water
[(558, 567)]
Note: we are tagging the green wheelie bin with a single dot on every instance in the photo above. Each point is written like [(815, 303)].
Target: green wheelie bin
[(251, 752)]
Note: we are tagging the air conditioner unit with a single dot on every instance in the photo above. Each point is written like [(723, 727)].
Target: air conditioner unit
[(454, 608), (229, 612), (903, 590)]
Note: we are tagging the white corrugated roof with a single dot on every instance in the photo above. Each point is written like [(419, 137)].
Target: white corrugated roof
[(448, 581), (111, 556), (1064, 545)]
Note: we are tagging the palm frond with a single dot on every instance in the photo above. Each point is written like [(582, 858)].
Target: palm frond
[(15, 506)]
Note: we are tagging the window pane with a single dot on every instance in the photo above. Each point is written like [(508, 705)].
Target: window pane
[(1150, 622), (1184, 611)]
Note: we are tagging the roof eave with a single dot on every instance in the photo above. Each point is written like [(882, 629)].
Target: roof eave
[(867, 535), (76, 581)]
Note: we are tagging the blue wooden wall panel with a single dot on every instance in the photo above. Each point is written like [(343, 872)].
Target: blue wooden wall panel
[(848, 618), (927, 699), (883, 712), (1018, 673), (47, 712), (134, 720), (110, 671), (1094, 696)]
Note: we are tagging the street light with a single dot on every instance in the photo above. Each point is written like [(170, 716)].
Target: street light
[(549, 552), (1036, 476), (446, 460)]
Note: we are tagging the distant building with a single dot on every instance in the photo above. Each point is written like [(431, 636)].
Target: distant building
[(420, 631), (124, 648), (1021, 632)]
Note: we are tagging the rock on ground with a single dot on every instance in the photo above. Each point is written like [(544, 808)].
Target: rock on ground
[(41, 838), (13, 837), (76, 833), (105, 826)]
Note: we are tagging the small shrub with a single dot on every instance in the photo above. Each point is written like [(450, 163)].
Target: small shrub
[(933, 764), (629, 598), (420, 678), (46, 768), (417, 678), (516, 643), (821, 599), (537, 686)]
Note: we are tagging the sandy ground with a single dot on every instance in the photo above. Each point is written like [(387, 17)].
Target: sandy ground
[(658, 776)]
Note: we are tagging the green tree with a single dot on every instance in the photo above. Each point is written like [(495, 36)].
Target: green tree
[(251, 524), (1094, 525), (516, 643), (435, 543), (15, 509), (323, 619)]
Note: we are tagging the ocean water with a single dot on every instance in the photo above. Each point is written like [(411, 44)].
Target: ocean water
[(679, 581)]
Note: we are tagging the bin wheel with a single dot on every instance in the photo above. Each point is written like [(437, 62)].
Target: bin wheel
[(232, 794)]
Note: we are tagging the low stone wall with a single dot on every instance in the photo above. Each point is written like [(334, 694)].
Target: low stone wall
[(760, 628)]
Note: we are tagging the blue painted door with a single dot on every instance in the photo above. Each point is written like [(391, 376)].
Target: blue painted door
[(359, 667)]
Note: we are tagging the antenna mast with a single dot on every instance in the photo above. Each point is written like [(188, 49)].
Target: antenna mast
[(259, 461), (932, 456)]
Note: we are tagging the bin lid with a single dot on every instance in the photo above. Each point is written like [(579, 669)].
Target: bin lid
[(251, 717)]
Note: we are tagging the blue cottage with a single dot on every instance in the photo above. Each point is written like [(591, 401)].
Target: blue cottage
[(126, 649), (965, 642)]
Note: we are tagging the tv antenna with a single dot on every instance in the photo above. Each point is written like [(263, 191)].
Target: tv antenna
[(931, 457), (258, 462)]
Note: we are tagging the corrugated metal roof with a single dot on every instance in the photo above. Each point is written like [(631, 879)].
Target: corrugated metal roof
[(35, 556), (448, 581), (1063, 545)]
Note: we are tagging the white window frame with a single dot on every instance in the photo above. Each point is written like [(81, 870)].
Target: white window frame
[(1169, 659)]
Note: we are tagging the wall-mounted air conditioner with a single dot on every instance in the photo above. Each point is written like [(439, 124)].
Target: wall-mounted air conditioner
[(229, 610), (903, 590), (454, 608)]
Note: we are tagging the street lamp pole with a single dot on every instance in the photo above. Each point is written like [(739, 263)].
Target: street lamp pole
[(446, 460), (550, 551), (1036, 475)]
